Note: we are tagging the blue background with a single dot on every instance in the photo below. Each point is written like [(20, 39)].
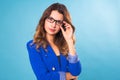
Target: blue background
[(97, 33)]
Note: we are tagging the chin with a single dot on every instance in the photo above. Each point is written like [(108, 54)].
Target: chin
[(52, 33)]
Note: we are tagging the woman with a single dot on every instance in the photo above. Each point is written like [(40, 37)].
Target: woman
[(52, 53)]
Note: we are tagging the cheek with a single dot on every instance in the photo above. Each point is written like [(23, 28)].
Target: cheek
[(46, 25), (58, 29)]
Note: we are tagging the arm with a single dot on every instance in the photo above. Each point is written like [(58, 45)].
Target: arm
[(39, 67), (74, 66), (74, 63)]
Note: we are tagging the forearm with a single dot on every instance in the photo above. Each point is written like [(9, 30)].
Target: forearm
[(71, 47), (70, 77), (74, 63)]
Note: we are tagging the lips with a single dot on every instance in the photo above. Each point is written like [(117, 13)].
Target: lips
[(52, 30)]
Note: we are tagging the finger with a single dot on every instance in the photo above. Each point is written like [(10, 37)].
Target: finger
[(65, 24), (62, 29), (74, 77)]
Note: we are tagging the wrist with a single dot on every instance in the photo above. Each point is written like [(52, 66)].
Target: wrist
[(72, 50), (71, 46), (70, 42)]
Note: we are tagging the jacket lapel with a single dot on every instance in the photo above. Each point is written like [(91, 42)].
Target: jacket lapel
[(50, 59)]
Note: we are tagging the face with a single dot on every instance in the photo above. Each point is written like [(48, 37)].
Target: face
[(53, 23)]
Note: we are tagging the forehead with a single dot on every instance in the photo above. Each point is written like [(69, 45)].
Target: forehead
[(56, 15)]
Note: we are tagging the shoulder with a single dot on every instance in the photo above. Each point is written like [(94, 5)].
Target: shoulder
[(30, 44), (31, 47)]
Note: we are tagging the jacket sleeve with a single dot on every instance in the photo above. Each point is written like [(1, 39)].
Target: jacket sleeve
[(74, 66), (38, 66)]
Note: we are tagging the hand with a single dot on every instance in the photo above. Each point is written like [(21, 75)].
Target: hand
[(70, 77), (68, 33)]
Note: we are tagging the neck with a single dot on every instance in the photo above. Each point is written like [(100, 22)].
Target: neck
[(50, 38)]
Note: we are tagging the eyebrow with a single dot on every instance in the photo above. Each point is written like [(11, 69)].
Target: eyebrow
[(55, 19)]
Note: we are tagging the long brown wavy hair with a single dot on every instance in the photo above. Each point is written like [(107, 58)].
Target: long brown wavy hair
[(40, 34)]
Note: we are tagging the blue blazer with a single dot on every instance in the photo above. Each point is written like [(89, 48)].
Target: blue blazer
[(45, 63)]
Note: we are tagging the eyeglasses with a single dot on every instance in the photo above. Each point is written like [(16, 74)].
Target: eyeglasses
[(52, 20)]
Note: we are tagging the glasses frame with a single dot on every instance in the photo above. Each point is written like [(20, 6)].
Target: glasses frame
[(57, 22)]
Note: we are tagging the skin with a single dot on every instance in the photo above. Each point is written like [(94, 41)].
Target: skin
[(52, 29)]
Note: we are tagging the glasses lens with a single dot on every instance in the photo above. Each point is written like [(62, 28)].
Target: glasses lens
[(59, 22), (50, 19)]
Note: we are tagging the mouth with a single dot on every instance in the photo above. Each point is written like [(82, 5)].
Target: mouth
[(52, 30)]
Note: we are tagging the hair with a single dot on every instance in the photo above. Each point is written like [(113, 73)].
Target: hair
[(40, 34)]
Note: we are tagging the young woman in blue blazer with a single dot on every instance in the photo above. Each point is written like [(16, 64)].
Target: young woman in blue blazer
[(52, 53)]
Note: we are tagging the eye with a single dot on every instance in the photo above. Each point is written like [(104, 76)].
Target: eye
[(59, 22), (51, 19)]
